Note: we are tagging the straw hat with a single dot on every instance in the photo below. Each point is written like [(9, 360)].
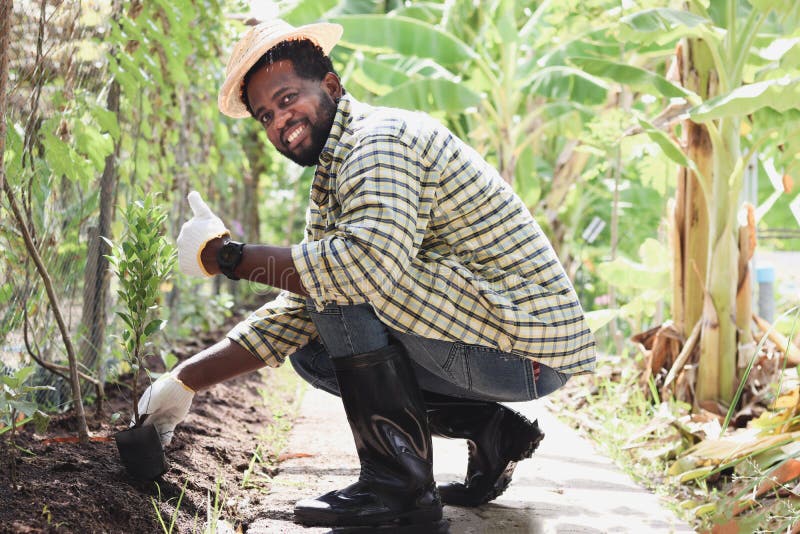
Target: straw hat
[(255, 44)]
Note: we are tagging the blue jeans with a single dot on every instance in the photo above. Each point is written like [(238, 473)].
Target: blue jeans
[(453, 369)]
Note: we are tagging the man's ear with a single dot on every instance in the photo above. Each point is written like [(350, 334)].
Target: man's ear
[(331, 85)]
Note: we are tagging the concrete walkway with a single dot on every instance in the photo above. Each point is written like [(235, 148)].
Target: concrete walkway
[(566, 487)]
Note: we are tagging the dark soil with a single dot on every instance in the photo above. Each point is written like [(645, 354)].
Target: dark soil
[(67, 487)]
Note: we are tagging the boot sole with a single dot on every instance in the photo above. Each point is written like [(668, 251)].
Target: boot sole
[(414, 518), (437, 527), (469, 498)]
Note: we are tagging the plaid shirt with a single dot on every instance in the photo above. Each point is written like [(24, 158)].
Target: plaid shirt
[(407, 217)]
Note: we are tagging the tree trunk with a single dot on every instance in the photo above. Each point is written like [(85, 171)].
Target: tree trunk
[(83, 431), (706, 253), (93, 313), (181, 185), (691, 206), (96, 279), (726, 301), (718, 350)]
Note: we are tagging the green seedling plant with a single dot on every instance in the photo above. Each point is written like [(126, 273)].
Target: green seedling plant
[(16, 401), (47, 516), (142, 260), (214, 521), (168, 529)]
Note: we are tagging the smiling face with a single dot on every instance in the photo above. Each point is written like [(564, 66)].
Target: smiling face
[(296, 112)]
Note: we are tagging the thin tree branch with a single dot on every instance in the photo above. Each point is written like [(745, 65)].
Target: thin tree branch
[(83, 431)]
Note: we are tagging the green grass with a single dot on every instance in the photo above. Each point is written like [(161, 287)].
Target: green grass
[(645, 437), (215, 523), (282, 397), (162, 521)]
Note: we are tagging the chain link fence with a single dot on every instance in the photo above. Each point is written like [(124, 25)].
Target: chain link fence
[(45, 45), (93, 118)]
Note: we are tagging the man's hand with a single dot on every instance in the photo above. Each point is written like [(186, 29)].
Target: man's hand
[(165, 403), (195, 234)]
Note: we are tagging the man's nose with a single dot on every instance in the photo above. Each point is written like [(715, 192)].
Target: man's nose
[(281, 118)]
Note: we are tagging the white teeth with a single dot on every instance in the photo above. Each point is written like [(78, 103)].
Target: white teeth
[(294, 135)]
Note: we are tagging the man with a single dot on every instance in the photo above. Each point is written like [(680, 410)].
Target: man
[(422, 294)]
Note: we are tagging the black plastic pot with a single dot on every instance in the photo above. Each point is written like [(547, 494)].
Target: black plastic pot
[(141, 452)]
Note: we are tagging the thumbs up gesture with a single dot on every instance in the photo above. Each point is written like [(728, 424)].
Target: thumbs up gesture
[(195, 234)]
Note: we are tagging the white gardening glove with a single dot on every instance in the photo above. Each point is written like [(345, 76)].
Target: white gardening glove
[(195, 234), (166, 402)]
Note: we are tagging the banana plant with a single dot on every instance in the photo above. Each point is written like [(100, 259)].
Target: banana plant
[(490, 72), (496, 73), (737, 83), (476, 65)]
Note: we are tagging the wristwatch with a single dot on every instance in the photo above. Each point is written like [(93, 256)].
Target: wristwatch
[(229, 257)]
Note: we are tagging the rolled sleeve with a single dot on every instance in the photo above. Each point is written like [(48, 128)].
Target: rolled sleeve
[(276, 330), (378, 231)]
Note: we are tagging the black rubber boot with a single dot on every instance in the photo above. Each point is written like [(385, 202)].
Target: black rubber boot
[(497, 438), (387, 416)]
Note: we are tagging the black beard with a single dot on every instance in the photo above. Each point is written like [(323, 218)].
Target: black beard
[(319, 134)]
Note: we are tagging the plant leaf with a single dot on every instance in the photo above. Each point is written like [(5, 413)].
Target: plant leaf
[(23, 406), (169, 360), (154, 326), (431, 95), (661, 25), (40, 421), (107, 121), (308, 11), (625, 273), (127, 318), (781, 7), (696, 473), (568, 83), (597, 319), (668, 146), (782, 94), (23, 373), (634, 77), (406, 36)]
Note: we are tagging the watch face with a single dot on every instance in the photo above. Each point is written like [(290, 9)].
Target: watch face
[(230, 254)]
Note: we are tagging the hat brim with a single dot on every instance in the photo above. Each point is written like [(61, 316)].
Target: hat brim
[(324, 34)]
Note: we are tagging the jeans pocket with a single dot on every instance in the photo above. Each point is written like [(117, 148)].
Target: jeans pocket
[(549, 381), (455, 367), (442, 359), (349, 330)]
